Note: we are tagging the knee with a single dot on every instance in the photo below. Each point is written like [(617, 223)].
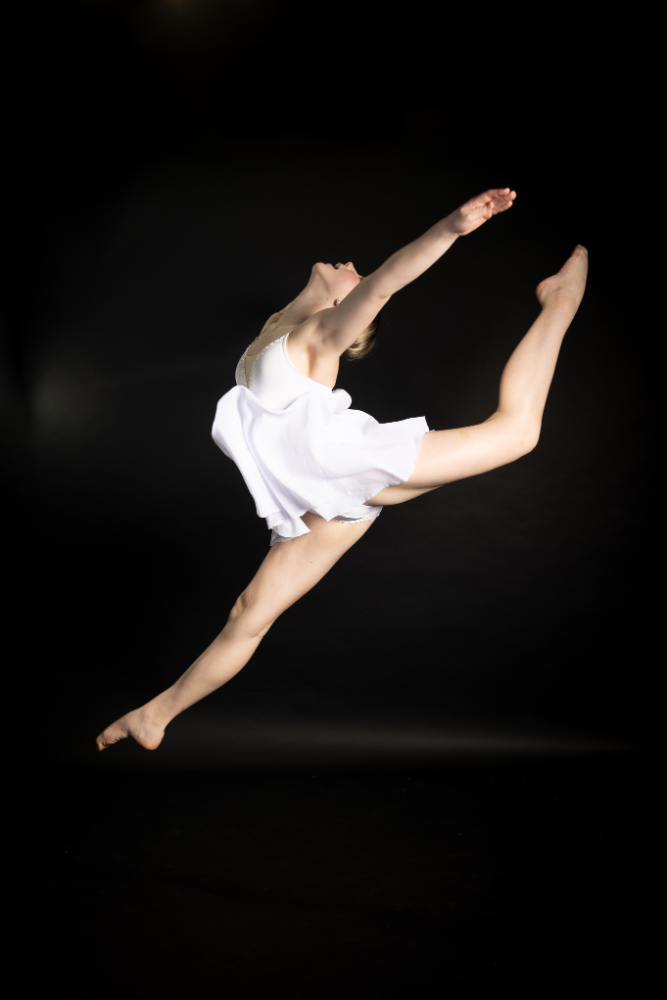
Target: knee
[(245, 618), (240, 605)]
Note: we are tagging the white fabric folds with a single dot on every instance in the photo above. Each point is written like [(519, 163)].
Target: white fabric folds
[(315, 455)]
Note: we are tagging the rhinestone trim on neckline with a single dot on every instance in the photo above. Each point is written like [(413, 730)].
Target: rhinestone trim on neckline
[(241, 369)]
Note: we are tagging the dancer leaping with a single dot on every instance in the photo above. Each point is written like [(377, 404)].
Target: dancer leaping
[(321, 472)]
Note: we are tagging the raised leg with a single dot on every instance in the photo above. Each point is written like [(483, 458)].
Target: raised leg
[(513, 430), (289, 571)]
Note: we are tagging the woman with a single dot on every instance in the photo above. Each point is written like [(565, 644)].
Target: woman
[(320, 472)]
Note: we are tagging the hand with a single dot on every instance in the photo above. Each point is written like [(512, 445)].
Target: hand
[(479, 210)]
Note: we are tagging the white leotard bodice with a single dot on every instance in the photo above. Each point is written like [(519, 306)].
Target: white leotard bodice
[(274, 378), (300, 447)]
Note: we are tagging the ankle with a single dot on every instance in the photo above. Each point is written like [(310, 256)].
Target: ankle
[(156, 712), (561, 303)]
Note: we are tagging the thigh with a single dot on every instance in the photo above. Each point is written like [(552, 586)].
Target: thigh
[(292, 568), (446, 456)]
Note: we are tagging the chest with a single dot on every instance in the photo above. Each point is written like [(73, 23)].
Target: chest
[(300, 355)]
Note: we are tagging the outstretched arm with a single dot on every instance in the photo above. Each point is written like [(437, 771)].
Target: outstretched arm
[(412, 260), (342, 326)]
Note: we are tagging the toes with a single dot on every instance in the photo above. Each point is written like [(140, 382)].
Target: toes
[(106, 740)]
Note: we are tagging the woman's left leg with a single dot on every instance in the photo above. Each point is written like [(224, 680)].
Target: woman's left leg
[(289, 571), (513, 430)]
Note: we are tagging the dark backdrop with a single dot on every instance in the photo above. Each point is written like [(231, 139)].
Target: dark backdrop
[(185, 164)]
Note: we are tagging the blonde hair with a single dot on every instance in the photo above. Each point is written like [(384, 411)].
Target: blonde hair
[(364, 344)]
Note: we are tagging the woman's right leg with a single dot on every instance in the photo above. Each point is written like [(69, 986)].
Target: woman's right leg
[(289, 571), (513, 430)]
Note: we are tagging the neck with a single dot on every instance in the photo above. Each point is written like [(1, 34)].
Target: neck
[(305, 305)]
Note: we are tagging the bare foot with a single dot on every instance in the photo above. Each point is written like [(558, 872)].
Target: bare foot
[(567, 287), (139, 724)]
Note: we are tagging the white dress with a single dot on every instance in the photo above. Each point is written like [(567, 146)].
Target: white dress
[(299, 446)]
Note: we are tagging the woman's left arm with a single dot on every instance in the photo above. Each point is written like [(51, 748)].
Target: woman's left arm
[(339, 327)]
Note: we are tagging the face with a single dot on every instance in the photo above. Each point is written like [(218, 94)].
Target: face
[(338, 279)]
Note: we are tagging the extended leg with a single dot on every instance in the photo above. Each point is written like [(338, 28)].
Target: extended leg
[(288, 572), (513, 430)]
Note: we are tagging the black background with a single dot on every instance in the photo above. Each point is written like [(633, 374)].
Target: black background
[(186, 165), (177, 170)]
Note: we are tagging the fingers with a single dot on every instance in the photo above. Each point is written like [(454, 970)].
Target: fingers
[(500, 195), (501, 199), (502, 207), (498, 199)]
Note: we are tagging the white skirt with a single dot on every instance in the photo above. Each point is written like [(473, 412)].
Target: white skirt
[(315, 455)]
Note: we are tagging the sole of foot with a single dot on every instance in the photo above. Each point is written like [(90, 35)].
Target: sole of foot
[(568, 286), (137, 727)]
